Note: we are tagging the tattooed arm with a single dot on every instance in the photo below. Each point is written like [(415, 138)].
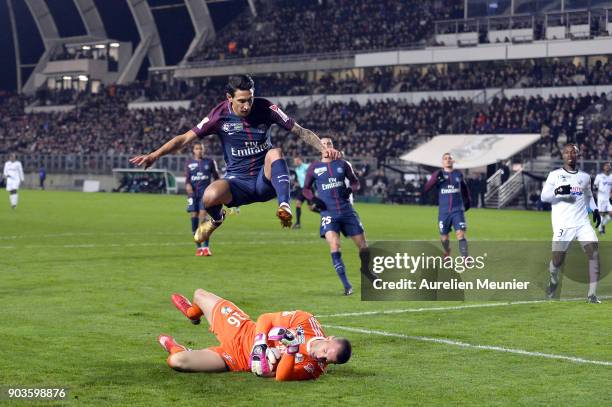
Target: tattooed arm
[(311, 138)]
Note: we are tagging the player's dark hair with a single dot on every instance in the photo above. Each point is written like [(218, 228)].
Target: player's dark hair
[(330, 139), (240, 82), (570, 145), (344, 354)]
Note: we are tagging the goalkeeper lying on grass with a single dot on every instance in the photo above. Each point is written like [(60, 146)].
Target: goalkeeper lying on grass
[(287, 345)]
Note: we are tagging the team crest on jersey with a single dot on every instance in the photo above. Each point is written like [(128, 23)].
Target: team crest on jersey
[(206, 167), (319, 171), (299, 358), (340, 170), (279, 112), (562, 178), (232, 127), (192, 166), (226, 310)]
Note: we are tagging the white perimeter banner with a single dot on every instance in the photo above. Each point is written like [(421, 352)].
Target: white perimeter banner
[(470, 150)]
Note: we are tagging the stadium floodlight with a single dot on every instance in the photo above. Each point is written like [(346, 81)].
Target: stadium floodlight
[(114, 45), (86, 47), (83, 78), (66, 77), (100, 46)]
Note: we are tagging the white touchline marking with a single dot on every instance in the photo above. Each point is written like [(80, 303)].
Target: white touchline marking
[(471, 346), (83, 234), (449, 308), (151, 244)]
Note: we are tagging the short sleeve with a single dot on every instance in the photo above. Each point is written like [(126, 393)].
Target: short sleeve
[(207, 125), (277, 116)]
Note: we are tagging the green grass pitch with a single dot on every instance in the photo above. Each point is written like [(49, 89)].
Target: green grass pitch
[(85, 281)]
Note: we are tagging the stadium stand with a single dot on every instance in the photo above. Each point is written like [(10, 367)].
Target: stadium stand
[(403, 78), (102, 123), (284, 27)]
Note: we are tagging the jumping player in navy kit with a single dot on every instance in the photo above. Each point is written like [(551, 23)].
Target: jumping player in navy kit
[(453, 202), (256, 172), (199, 173), (337, 212)]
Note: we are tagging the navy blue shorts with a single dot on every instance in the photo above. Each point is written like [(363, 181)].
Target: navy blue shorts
[(347, 224), (246, 190), (196, 203), (455, 219)]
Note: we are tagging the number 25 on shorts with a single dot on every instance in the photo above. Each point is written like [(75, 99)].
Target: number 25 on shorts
[(325, 220)]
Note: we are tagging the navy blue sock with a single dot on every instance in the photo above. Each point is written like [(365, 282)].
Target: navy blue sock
[(194, 226), (298, 214), (340, 269), (280, 180), (215, 212)]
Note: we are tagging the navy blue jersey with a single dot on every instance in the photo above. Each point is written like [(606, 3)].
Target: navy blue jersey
[(245, 140), (331, 185), (453, 194), (200, 173)]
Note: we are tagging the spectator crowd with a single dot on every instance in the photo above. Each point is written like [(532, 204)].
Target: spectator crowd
[(284, 27), (409, 78), (103, 124)]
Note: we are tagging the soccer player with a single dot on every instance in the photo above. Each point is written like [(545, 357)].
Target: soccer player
[(603, 184), (453, 202), (300, 173), (568, 190), (13, 174), (294, 336), (199, 172), (256, 172), (337, 212)]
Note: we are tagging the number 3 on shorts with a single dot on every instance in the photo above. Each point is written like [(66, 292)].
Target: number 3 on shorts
[(561, 232), (325, 220)]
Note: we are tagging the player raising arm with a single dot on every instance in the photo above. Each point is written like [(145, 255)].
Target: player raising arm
[(568, 190), (294, 337), (337, 212), (256, 172), (453, 202)]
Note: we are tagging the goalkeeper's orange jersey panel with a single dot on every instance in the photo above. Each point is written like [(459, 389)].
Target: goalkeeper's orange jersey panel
[(305, 327), (236, 331)]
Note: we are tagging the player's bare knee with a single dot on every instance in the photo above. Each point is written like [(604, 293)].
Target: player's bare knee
[(460, 235), (178, 361), (200, 295)]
